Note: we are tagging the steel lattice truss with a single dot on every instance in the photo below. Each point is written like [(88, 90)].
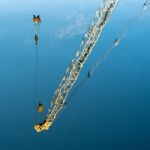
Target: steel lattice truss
[(102, 16)]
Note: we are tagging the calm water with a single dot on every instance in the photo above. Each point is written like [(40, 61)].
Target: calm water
[(110, 112)]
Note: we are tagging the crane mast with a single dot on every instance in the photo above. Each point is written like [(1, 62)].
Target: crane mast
[(101, 17)]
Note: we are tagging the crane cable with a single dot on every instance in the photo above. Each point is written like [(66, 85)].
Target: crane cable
[(115, 44), (38, 104)]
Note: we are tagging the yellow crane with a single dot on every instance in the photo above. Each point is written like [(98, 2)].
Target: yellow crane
[(102, 16)]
